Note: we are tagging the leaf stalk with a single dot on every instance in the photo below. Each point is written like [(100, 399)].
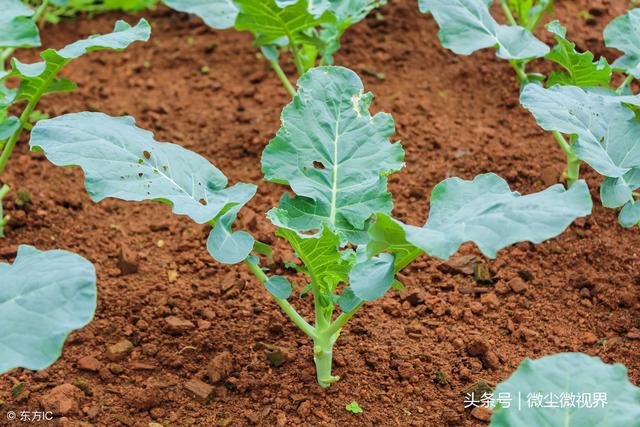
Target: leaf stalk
[(288, 309), (283, 77)]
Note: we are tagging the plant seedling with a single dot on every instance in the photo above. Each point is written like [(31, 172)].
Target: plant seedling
[(335, 158), (567, 389), (592, 121), (42, 78), (43, 297), (354, 408), (311, 30), (55, 10)]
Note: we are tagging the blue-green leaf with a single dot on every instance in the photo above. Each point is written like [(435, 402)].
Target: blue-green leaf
[(623, 33), (333, 154), (467, 26), (348, 300), (566, 378), (17, 29), (228, 246), (43, 297), (630, 214), (123, 161), (372, 278), (485, 211), (279, 287), (606, 129), (219, 14), (9, 127)]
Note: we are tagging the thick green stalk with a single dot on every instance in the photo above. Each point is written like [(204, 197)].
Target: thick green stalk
[(3, 219), (323, 358), (283, 77), (284, 304), (572, 174)]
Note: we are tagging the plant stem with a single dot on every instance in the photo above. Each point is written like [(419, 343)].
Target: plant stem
[(3, 219), (323, 358), (296, 57), (519, 69), (624, 84), (507, 12), (284, 304), (283, 77), (572, 173), (342, 320)]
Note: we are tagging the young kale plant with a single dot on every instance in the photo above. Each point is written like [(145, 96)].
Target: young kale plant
[(55, 10), (335, 158), (467, 26), (33, 81), (577, 390), (43, 297), (591, 120), (598, 119), (310, 29)]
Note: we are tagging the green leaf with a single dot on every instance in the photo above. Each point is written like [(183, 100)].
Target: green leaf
[(467, 26), (623, 33), (227, 246), (321, 256), (40, 78), (569, 375), (617, 192), (371, 279), (386, 234), (581, 68), (44, 296), (354, 407), (219, 14), (17, 29), (606, 129), (123, 161), (9, 127), (485, 211), (282, 24), (630, 214), (348, 301), (333, 154), (279, 287)]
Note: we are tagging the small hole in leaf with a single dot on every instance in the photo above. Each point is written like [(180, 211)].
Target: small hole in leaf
[(147, 155), (203, 202), (318, 165), (140, 174)]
